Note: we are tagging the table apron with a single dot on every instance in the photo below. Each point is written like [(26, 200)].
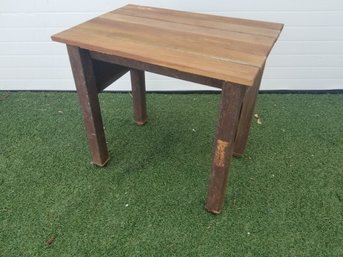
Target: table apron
[(134, 64)]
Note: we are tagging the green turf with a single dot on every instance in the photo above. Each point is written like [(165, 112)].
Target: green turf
[(284, 197)]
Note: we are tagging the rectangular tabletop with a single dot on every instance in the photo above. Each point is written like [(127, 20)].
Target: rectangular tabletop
[(223, 48)]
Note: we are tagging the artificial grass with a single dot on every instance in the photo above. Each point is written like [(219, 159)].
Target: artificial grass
[(284, 196)]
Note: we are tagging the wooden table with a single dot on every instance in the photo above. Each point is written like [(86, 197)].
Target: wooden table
[(221, 52)]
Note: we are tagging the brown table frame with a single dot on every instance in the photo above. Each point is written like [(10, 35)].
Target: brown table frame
[(94, 71)]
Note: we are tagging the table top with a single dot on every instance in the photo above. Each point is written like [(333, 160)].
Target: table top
[(224, 48)]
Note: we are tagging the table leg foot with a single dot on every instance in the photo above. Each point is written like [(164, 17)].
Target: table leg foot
[(141, 123), (99, 164)]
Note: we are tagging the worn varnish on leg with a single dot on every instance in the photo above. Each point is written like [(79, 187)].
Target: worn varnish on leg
[(138, 95), (83, 73), (230, 106)]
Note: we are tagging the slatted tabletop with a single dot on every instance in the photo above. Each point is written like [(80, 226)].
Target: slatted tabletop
[(223, 48)]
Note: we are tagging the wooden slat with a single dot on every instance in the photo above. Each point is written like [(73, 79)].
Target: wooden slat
[(185, 38), (254, 44), (181, 41), (203, 31), (201, 20), (197, 17)]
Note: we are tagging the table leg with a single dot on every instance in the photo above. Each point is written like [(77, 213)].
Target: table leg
[(138, 95), (83, 73), (230, 107), (246, 116)]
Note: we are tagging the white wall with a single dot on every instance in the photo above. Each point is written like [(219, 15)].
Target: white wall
[(308, 55)]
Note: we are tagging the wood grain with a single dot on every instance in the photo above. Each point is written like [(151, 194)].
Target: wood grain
[(197, 18), (223, 48)]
